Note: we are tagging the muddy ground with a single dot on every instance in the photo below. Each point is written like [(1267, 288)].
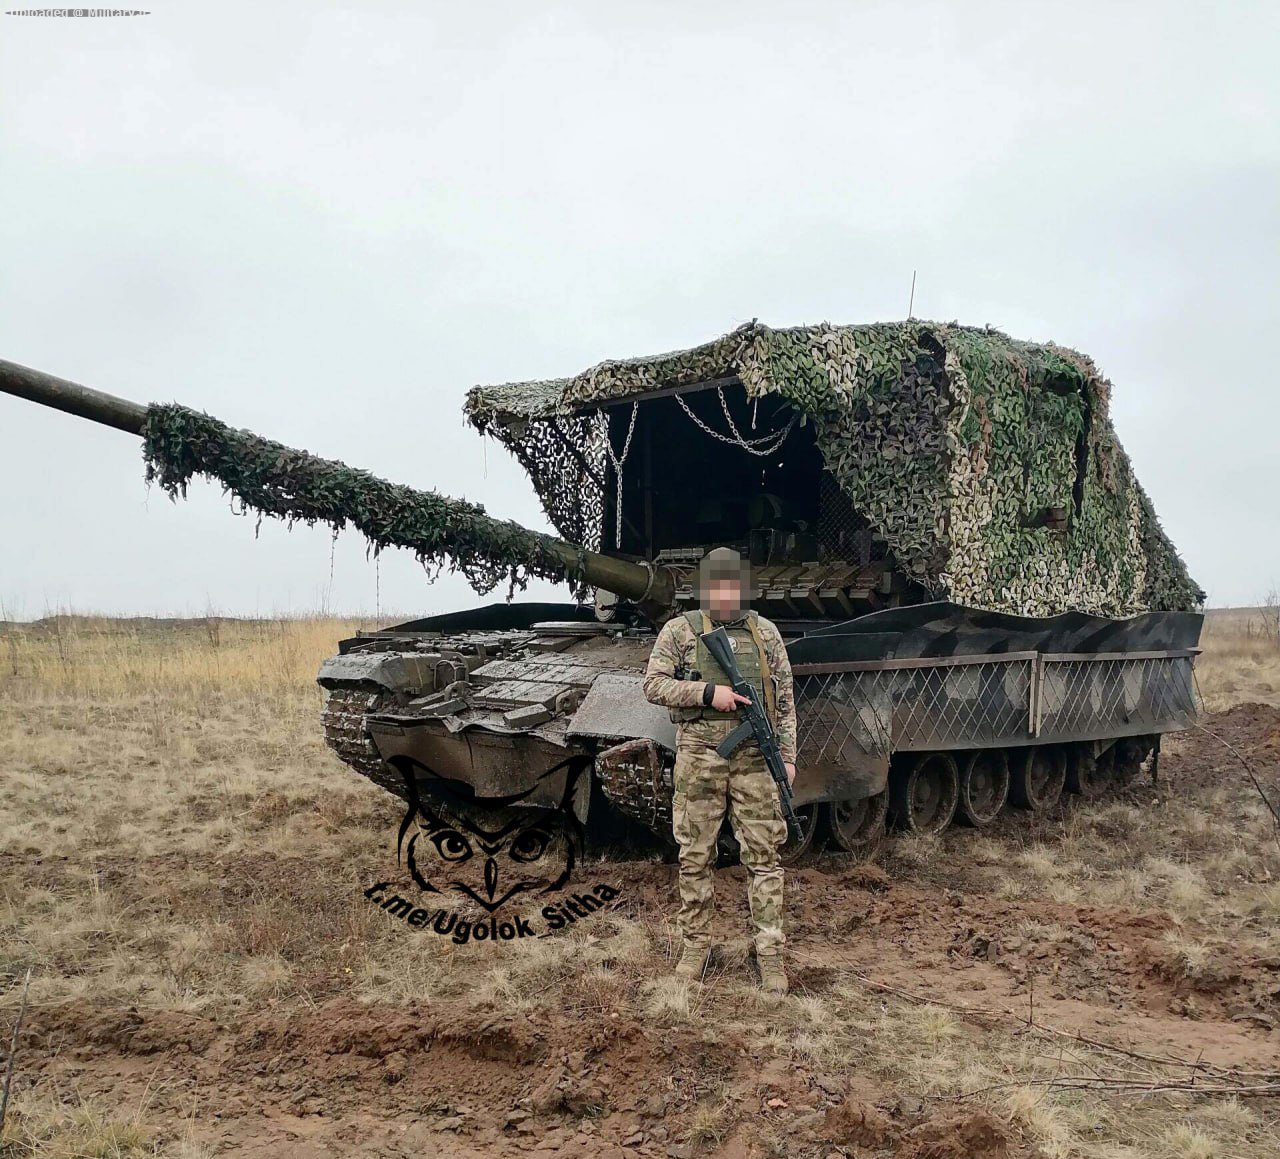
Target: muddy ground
[(945, 1001)]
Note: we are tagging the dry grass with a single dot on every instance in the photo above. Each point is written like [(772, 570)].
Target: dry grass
[(73, 1127), (1211, 861), (931, 1053), (180, 772), (107, 661), (1241, 658)]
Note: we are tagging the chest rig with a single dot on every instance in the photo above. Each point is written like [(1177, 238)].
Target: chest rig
[(752, 663)]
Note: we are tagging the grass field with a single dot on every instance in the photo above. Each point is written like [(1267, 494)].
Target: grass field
[(182, 864), (1241, 660)]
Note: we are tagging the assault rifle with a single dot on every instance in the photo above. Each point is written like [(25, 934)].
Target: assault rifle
[(755, 724)]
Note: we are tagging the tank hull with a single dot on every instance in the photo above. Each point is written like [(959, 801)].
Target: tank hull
[(496, 699)]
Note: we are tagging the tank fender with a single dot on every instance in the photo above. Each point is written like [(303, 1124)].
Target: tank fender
[(614, 708)]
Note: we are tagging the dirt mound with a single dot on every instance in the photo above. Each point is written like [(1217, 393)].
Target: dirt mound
[(1252, 729), (966, 1134), (962, 1135), (85, 1033), (861, 1125)]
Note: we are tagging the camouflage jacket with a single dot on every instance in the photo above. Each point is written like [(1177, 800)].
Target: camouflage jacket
[(676, 650)]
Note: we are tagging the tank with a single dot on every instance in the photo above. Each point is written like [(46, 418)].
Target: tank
[(980, 606)]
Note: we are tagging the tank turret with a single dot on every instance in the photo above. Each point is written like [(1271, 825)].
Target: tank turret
[(912, 460)]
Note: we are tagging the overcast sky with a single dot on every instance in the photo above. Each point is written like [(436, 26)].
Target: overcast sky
[(325, 223)]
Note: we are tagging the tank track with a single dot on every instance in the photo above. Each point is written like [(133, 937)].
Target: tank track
[(1086, 769), (343, 718), (638, 791), (629, 787), (344, 732)]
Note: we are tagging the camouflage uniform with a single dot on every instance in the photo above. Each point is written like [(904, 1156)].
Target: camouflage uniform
[(706, 782)]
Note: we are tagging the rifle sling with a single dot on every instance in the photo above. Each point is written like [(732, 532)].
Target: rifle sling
[(766, 677)]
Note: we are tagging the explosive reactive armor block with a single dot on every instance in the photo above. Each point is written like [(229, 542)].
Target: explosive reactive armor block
[(989, 466)]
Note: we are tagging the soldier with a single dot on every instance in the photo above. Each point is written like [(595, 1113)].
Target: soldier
[(683, 677)]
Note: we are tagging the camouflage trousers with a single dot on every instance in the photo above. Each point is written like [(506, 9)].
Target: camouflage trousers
[(705, 784)]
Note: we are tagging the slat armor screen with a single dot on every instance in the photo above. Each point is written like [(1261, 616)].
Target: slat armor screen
[(978, 702)]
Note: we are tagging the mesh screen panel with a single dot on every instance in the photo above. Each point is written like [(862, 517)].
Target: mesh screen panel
[(1118, 694), (989, 702), (956, 706)]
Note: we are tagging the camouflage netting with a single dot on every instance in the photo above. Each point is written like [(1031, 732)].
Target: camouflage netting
[(276, 480), (989, 465)]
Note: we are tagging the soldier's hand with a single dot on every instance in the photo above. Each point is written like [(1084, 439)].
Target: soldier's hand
[(724, 699), (791, 772)]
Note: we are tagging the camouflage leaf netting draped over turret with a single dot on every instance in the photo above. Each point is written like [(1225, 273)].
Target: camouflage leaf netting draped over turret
[(276, 480), (989, 465)]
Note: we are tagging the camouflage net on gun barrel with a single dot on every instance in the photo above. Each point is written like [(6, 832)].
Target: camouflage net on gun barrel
[(275, 480), (989, 465)]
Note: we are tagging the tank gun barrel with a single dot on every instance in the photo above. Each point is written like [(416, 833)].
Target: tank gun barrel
[(62, 394), (292, 484)]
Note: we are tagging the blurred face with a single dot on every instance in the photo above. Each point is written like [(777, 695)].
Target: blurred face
[(724, 598)]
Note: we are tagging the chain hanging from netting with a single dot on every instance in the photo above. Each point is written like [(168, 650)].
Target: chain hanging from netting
[(764, 446), (616, 462)]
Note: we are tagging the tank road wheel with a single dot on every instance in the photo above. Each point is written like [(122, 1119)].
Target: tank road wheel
[(984, 786), (729, 852), (857, 826), (1038, 778), (1087, 775), (794, 850), (923, 797)]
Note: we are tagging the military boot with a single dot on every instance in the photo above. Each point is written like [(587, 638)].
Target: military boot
[(693, 961), (773, 975)]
